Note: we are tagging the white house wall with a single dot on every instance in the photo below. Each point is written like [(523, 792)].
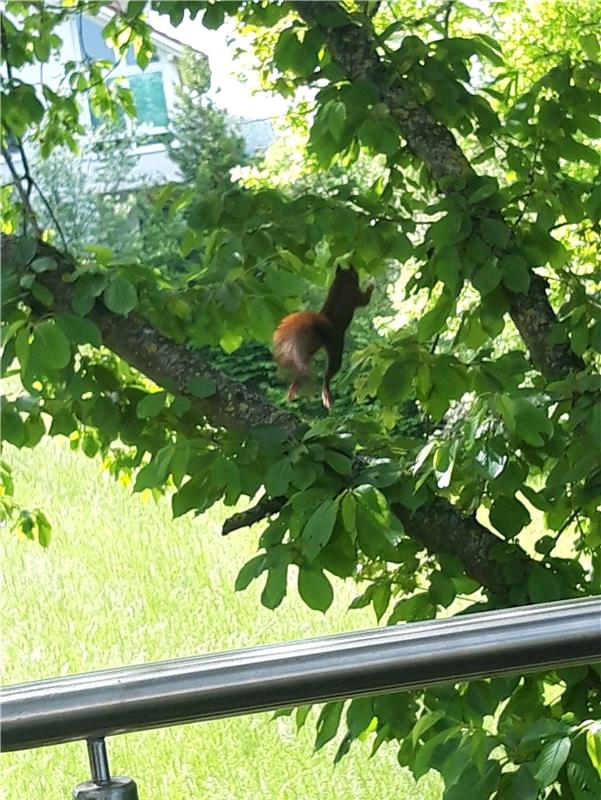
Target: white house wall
[(154, 165)]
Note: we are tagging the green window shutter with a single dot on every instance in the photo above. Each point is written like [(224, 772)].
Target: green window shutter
[(149, 98)]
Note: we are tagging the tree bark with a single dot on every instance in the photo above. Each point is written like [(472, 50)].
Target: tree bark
[(171, 366), (353, 50), (440, 527)]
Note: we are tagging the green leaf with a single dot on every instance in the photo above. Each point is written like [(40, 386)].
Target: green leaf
[(25, 249), (396, 383), (50, 348), (543, 585), (339, 462), (332, 17), (476, 250), (343, 748), (120, 296), (520, 784), (230, 341), (101, 252), (13, 428), (105, 416), (509, 516), (425, 754), (516, 275), (79, 330), (304, 474), (315, 589), (412, 609), (44, 264), (433, 320), (90, 445), (201, 386), (155, 473), (63, 423), (359, 715), (319, 527), (582, 783), (327, 723), (151, 405), (487, 277), (275, 586), (278, 477), (86, 290), (489, 48), (381, 599), (349, 511), (577, 151), (424, 723), (447, 230), (442, 589), (510, 479), (181, 405), (495, 232), (579, 337), (532, 423), (302, 712), (380, 135), (42, 294), (34, 430), (593, 748), (249, 572), (285, 284), (261, 320), (292, 54), (590, 45), (542, 728), (213, 16), (334, 114), (21, 108), (43, 527), (550, 760), (451, 376), (448, 269), (593, 204), (489, 187)]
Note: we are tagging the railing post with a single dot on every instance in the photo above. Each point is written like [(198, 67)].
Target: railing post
[(102, 786)]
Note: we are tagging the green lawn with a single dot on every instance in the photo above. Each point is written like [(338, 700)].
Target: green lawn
[(122, 583)]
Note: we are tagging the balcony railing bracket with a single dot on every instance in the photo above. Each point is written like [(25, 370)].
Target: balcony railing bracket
[(102, 786)]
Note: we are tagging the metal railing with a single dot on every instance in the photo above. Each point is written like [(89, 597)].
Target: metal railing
[(94, 705)]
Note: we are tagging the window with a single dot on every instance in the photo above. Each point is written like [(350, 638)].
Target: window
[(146, 86), (92, 42), (149, 97)]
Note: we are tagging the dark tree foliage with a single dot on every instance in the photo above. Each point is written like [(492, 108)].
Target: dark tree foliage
[(486, 211)]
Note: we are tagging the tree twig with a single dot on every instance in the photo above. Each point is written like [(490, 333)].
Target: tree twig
[(244, 519), (447, 17), (17, 183)]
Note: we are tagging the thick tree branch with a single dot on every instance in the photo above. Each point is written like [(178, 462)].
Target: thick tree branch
[(535, 320), (352, 48), (172, 366), (439, 527), (262, 509)]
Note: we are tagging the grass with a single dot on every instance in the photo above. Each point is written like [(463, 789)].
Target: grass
[(122, 583)]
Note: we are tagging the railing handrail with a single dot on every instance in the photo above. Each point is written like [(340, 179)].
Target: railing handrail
[(263, 678)]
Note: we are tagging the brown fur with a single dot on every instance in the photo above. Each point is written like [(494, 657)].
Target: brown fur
[(300, 335)]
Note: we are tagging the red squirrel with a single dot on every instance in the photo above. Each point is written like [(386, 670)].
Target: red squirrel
[(300, 335)]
